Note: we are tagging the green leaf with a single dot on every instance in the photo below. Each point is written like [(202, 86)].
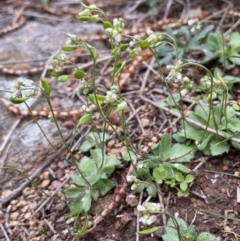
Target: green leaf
[(183, 186), (189, 178), (159, 173), (174, 223), (18, 100), (165, 146), (74, 192), (86, 202), (191, 233), (86, 146), (205, 237), (85, 119), (55, 73), (181, 153), (107, 24), (109, 164), (96, 98), (129, 156), (202, 34), (234, 40), (123, 47), (171, 98), (168, 168), (46, 86), (120, 107), (104, 186), (151, 191), (79, 74), (69, 48), (75, 207), (94, 194), (180, 167), (87, 18), (78, 180), (87, 166), (182, 193), (170, 237), (144, 44), (149, 231), (236, 107), (179, 177), (218, 146), (120, 67), (93, 52), (63, 78)]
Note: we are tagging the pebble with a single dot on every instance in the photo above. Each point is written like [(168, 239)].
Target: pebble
[(111, 143), (69, 124), (28, 215), (33, 205), (225, 168), (14, 215), (61, 165), (60, 173), (115, 152), (28, 191), (54, 166), (21, 203), (145, 122), (45, 183), (56, 184), (44, 175), (6, 193)]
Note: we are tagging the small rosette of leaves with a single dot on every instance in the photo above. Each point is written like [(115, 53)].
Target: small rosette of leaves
[(211, 143), (96, 171), (166, 166), (178, 230)]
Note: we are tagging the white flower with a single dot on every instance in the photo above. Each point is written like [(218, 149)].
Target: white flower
[(184, 92), (186, 79), (111, 97), (149, 31), (152, 219), (131, 43), (118, 38), (144, 219), (192, 21), (115, 22), (131, 178), (141, 208), (86, 109)]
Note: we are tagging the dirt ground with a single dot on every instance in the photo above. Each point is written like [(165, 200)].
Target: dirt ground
[(31, 215)]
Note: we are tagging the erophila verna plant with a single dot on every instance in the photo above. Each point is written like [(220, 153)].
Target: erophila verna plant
[(166, 165)]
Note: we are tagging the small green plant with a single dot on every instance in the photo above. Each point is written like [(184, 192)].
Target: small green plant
[(178, 230), (95, 180), (94, 139), (187, 39), (165, 166), (226, 51), (211, 143), (205, 84)]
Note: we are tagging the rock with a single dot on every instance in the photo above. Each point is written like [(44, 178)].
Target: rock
[(14, 215), (44, 175), (145, 122), (28, 215), (6, 193), (69, 124), (45, 183), (56, 184)]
